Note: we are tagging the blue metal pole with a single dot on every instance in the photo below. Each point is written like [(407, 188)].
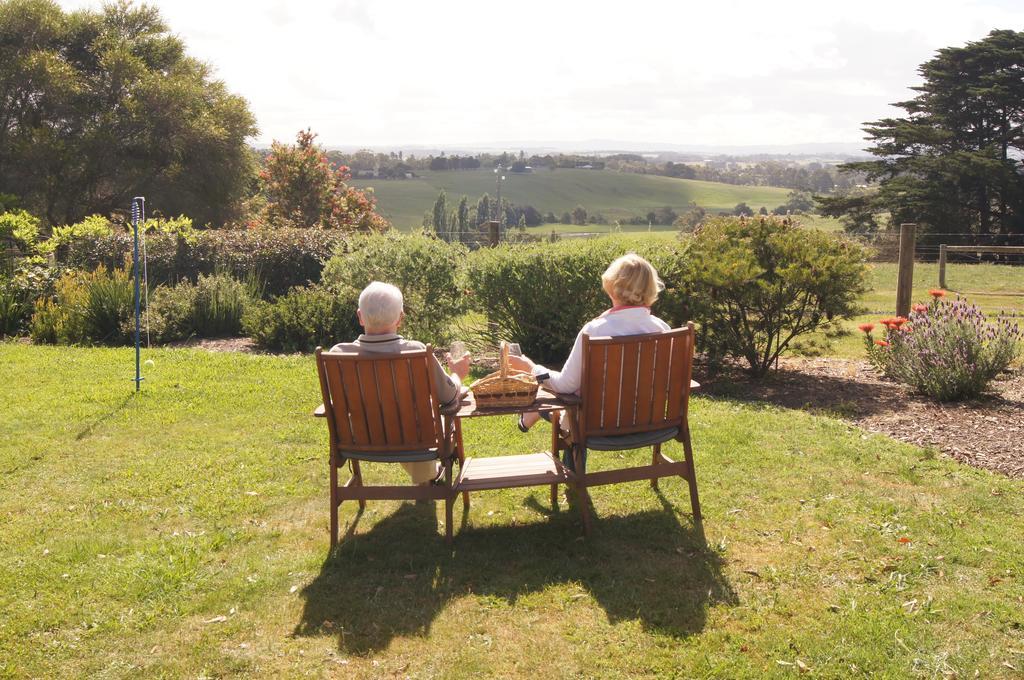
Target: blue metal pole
[(138, 204)]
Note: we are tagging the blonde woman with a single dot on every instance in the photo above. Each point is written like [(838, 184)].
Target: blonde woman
[(633, 285)]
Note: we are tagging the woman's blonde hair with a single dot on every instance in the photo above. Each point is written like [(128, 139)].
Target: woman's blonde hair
[(632, 281)]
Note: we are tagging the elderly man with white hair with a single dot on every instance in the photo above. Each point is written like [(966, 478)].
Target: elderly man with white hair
[(381, 314)]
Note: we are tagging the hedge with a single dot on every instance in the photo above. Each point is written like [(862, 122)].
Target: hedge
[(280, 258)]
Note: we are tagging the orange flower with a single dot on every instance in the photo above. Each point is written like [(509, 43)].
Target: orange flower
[(881, 343), (921, 309), (937, 293), (867, 327), (898, 321)]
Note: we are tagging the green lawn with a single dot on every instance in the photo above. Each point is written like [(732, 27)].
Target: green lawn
[(616, 195), (183, 532)]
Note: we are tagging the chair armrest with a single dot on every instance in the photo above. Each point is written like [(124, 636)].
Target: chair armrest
[(568, 399), (320, 412)]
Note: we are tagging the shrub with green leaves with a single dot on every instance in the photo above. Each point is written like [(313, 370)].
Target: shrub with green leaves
[(304, 318), (427, 271), (756, 285), (19, 291), (281, 258), (947, 350), (86, 307), (212, 307), (21, 228), (541, 295)]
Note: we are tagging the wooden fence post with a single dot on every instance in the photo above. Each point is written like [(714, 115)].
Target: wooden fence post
[(494, 226), (905, 280), (942, 266)]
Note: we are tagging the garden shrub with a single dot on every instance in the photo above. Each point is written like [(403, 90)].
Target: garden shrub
[(281, 258), (427, 270), (541, 295), (304, 318), (947, 350), (20, 227), (19, 290), (86, 307), (212, 307), (755, 285)]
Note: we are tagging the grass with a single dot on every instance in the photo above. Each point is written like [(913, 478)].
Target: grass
[(182, 532), (616, 195)]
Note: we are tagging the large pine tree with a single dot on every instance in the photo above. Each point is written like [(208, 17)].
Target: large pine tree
[(955, 163)]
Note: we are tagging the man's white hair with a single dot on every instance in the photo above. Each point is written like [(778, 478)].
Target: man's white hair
[(380, 304)]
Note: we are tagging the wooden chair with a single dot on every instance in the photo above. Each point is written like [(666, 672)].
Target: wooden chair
[(384, 408), (634, 393)]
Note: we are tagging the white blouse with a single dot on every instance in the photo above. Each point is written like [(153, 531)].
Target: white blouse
[(613, 323)]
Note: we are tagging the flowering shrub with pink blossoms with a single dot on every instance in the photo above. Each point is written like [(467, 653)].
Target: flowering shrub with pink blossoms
[(947, 350)]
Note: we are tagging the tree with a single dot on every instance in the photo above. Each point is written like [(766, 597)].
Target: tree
[(955, 162), (303, 190), (98, 106), (462, 218), (579, 215), (440, 216), (483, 209), (742, 209)]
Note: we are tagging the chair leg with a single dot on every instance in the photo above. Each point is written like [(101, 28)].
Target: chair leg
[(358, 474), (449, 504), (334, 502), (582, 495), (554, 496), (461, 450), (655, 459), (692, 477)]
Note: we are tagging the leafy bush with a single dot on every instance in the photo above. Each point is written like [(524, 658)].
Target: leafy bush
[(87, 307), (281, 258), (22, 228), (427, 271), (212, 307), (946, 350), (91, 228), (303, 319), (755, 285), (18, 293), (541, 295)]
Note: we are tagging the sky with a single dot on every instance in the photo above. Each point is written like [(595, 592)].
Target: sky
[(388, 73)]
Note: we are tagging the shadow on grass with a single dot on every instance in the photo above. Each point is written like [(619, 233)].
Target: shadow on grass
[(101, 419), (396, 578)]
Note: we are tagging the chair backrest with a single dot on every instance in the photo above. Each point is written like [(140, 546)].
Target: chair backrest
[(636, 383), (380, 402)]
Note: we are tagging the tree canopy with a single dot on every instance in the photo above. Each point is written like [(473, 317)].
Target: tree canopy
[(953, 164), (99, 106)]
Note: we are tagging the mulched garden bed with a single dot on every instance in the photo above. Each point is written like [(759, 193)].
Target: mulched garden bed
[(986, 432)]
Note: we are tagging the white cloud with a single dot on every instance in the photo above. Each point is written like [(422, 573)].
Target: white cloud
[(727, 72)]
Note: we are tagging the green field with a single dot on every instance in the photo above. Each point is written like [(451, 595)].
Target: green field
[(616, 195), (182, 532)]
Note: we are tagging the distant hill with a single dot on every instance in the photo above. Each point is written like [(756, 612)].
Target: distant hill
[(616, 195)]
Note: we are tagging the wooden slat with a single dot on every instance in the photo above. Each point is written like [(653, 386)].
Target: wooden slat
[(394, 493), (594, 398), (662, 363), (635, 474), (371, 401), (422, 400), (342, 421), (350, 388), (389, 402), (645, 383), (612, 387), (678, 382), (630, 376), (403, 386), (506, 472)]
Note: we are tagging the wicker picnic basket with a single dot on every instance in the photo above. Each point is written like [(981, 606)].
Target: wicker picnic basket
[(505, 387)]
